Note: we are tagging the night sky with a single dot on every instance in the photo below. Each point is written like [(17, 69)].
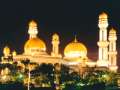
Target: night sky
[(65, 17)]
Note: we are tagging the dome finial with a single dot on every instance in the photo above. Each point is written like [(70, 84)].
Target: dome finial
[(32, 29), (75, 40)]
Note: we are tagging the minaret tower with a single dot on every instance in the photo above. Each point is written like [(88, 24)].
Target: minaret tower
[(6, 51), (6, 55), (55, 46), (33, 29), (112, 50), (103, 43)]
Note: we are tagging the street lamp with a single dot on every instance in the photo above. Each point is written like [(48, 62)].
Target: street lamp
[(28, 77)]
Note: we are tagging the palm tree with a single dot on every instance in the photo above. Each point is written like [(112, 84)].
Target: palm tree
[(44, 71), (64, 73), (26, 62)]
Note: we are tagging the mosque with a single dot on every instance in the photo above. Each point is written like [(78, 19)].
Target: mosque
[(75, 52)]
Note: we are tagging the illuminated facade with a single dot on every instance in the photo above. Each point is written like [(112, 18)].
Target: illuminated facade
[(75, 52)]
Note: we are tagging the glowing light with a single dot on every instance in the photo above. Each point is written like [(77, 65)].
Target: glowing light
[(4, 77), (20, 76)]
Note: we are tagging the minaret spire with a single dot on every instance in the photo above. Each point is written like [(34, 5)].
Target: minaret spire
[(112, 50), (32, 31), (103, 42), (55, 45)]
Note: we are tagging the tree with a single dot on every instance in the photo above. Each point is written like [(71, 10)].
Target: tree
[(45, 73)]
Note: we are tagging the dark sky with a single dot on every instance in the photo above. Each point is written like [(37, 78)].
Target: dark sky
[(66, 17)]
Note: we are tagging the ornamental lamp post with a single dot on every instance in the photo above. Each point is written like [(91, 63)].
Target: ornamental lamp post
[(29, 77)]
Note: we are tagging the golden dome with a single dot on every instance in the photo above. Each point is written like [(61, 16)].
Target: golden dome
[(35, 43), (103, 15), (75, 49), (112, 31), (6, 51)]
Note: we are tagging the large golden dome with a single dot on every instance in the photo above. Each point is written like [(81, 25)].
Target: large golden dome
[(75, 49), (35, 43)]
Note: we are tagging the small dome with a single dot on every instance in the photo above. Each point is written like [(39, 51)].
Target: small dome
[(75, 49), (103, 15), (112, 31), (6, 51), (35, 43)]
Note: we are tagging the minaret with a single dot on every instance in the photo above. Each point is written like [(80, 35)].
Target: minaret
[(112, 50), (33, 29), (103, 43), (6, 51), (6, 55), (14, 53), (55, 46)]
